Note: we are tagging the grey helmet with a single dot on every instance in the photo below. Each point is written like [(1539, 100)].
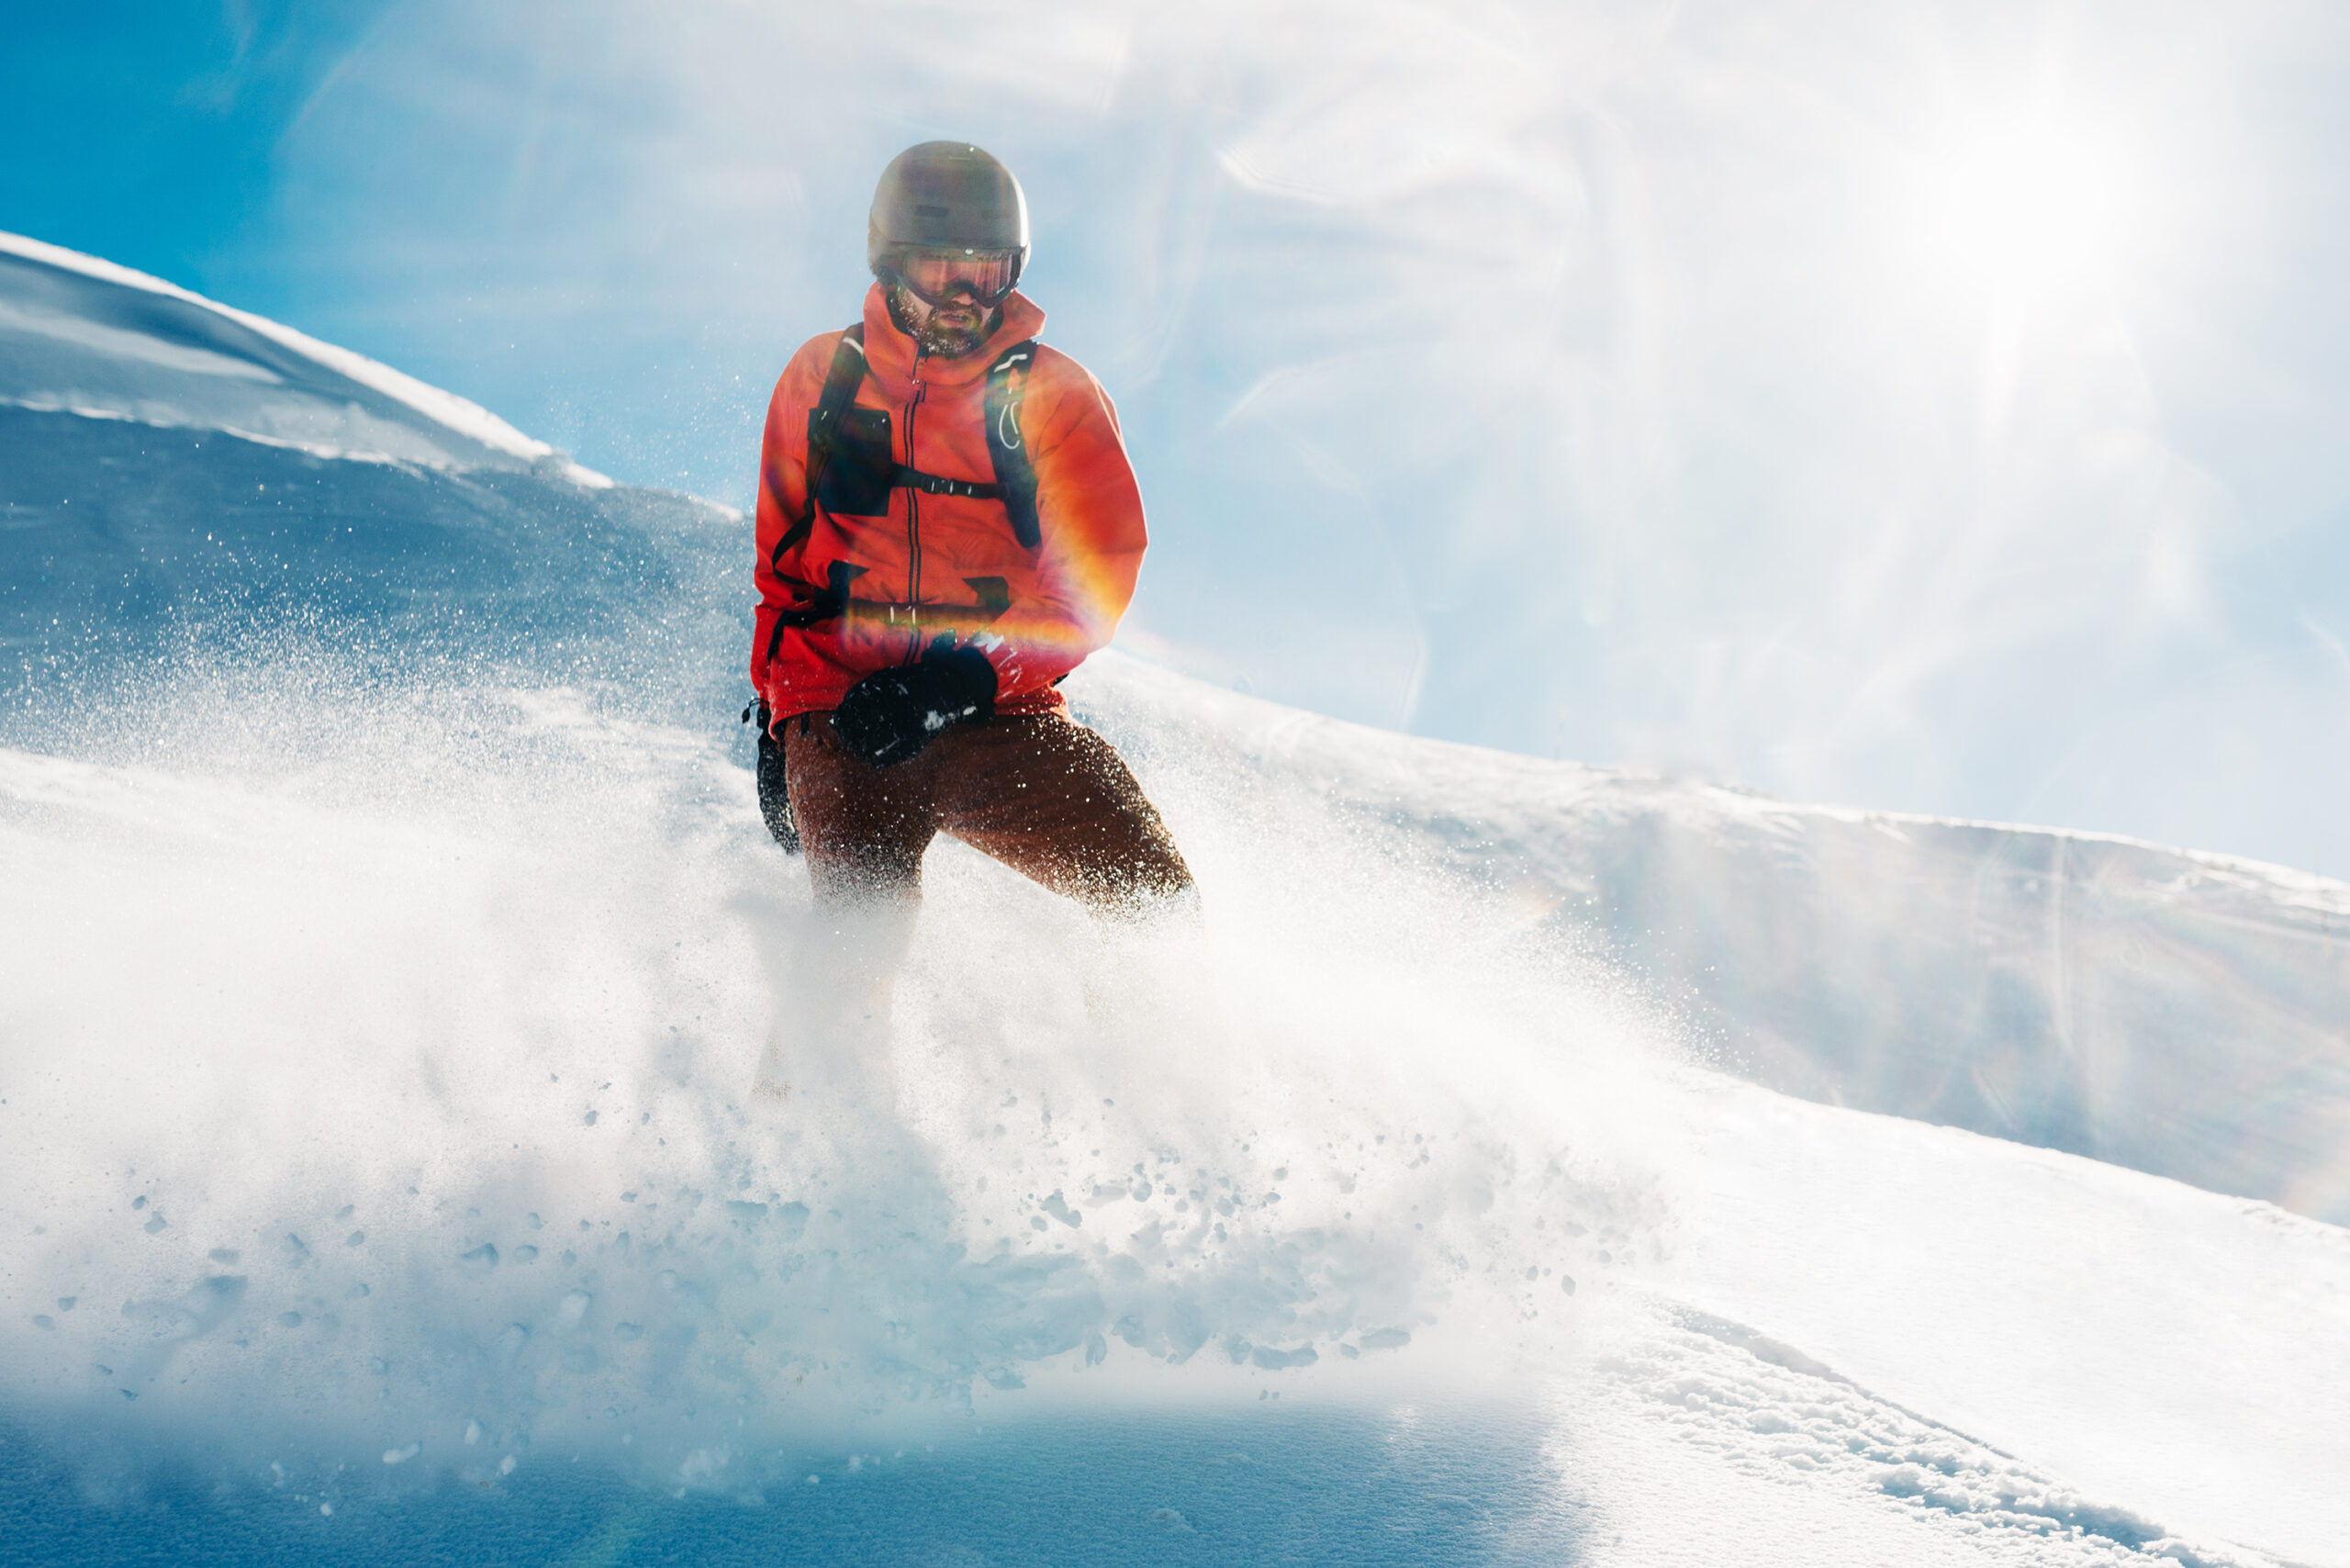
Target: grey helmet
[(945, 196)]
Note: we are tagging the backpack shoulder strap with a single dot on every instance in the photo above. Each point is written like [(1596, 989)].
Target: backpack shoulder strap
[(1016, 477), (841, 382)]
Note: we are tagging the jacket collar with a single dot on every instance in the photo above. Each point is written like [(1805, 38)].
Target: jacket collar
[(889, 353)]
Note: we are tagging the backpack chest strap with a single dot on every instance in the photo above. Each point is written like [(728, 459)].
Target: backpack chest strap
[(939, 485)]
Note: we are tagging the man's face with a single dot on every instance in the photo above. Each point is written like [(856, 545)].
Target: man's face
[(948, 331), (949, 300)]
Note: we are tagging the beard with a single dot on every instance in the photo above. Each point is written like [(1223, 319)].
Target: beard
[(939, 341)]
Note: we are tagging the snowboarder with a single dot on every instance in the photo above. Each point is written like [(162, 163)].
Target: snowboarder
[(947, 526)]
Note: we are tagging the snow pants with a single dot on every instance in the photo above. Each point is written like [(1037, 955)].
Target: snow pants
[(1038, 791)]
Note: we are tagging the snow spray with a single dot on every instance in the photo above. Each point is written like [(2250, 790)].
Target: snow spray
[(378, 1106)]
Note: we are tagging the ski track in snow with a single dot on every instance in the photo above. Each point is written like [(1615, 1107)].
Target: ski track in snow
[(1808, 1467)]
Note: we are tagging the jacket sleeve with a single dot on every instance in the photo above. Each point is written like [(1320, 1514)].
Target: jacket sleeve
[(1089, 511), (783, 493)]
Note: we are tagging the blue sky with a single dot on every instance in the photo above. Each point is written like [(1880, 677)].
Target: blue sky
[(1930, 407)]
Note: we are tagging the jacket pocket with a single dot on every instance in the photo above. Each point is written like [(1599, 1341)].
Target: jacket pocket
[(858, 475)]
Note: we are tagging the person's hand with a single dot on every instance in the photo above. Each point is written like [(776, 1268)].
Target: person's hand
[(892, 714)]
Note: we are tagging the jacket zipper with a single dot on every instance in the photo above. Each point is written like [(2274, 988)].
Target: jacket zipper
[(914, 515)]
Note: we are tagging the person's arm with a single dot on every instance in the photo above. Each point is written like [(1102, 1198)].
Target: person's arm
[(1088, 509), (783, 492)]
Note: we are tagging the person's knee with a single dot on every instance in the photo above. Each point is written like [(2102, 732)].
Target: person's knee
[(1158, 893), (874, 878)]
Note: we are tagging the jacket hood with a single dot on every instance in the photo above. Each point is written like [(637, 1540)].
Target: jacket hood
[(890, 352)]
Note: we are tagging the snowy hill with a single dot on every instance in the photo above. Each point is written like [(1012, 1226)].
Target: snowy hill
[(1529, 1163), (2181, 1014), (89, 338), (178, 472)]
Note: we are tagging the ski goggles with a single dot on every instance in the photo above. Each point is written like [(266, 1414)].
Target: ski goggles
[(935, 276)]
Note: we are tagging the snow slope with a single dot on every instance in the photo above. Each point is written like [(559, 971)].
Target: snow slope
[(86, 337), (179, 473), (2182, 1014), (377, 1183)]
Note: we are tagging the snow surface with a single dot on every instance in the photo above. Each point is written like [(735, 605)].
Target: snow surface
[(91, 338), (390, 934), (2182, 1014)]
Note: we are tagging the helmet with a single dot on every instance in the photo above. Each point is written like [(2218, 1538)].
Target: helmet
[(945, 196)]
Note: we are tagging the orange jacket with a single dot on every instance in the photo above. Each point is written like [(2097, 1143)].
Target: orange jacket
[(935, 562)]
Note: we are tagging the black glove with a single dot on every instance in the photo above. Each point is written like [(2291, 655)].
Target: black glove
[(775, 791), (892, 714), (774, 794)]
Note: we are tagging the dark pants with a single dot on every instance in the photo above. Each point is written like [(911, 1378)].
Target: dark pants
[(1039, 793)]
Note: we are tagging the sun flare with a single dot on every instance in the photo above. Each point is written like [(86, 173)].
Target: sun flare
[(2027, 203)]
